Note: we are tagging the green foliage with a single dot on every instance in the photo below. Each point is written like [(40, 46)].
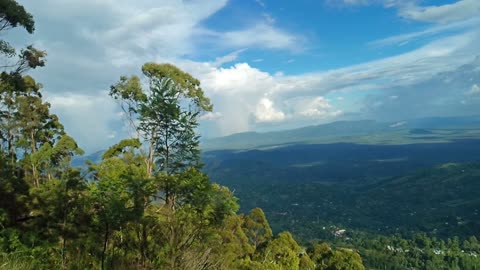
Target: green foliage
[(16, 262), (186, 85), (283, 251), (135, 209), (326, 258), (417, 252), (257, 228), (166, 113), (119, 148), (12, 15)]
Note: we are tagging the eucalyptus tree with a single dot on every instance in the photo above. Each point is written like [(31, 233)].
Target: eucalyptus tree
[(14, 15), (14, 87), (163, 109), (13, 84)]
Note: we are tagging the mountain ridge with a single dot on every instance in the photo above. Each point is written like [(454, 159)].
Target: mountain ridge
[(353, 131)]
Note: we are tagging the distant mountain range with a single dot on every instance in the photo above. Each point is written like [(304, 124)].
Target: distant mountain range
[(435, 129), (422, 130)]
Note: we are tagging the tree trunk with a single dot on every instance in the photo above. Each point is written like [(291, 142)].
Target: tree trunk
[(33, 149), (143, 245), (105, 243), (173, 247), (151, 151)]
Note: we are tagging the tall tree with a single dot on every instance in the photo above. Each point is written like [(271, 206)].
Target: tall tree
[(165, 115), (14, 86)]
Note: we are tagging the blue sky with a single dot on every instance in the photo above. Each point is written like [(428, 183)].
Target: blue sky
[(266, 64)]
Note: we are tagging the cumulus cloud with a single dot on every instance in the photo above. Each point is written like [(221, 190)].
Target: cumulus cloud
[(248, 97), (240, 77), (475, 90), (93, 120), (211, 116), (313, 107), (116, 37), (266, 112)]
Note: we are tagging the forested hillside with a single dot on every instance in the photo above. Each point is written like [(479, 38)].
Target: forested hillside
[(145, 204), (391, 203)]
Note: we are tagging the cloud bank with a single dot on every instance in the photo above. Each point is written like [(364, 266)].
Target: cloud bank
[(91, 43)]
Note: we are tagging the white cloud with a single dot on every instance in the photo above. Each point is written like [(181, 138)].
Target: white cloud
[(248, 96), (447, 13), (211, 116), (91, 43), (398, 124), (228, 58), (475, 90), (316, 107), (349, 2), (386, 3), (459, 16), (266, 112), (460, 10), (124, 34), (239, 78), (116, 37), (431, 31), (262, 35), (165, 30), (261, 3), (90, 118)]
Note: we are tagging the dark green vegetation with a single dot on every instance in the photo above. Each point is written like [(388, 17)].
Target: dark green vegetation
[(383, 195), (145, 204), (417, 252), (442, 201)]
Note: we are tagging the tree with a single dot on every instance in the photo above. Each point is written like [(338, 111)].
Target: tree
[(165, 115), (325, 258), (117, 199), (257, 228), (282, 251), (345, 259), (14, 15)]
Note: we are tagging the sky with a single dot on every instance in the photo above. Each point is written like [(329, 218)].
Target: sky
[(265, 64)]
